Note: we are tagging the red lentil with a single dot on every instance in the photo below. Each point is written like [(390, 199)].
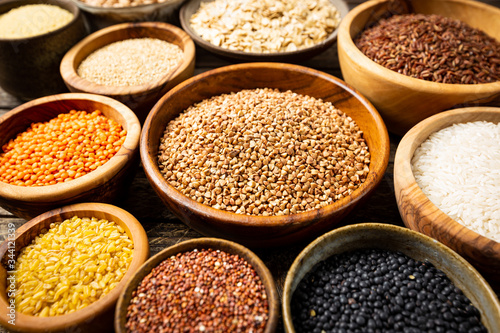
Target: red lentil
[(61, 149), (201, 290)]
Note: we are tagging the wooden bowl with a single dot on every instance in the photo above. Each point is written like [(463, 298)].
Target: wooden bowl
[(29, 67), (190, 7), (107, 183), (201, 243), (98, 316), (260, 230), (139, 98), (404, 101), (420, 214), (394, 238)]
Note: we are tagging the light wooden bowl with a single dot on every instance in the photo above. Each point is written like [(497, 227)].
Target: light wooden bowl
[(260, 230), (139, 98), (420, 214), (29, 67), (394, 238), (190, 7), (98, 316), (108, 183), (202, 243), (403, 101)]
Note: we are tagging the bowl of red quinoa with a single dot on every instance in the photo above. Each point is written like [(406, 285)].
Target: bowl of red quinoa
[(64, 149), (65, 269), (263, 153), (382, 277), (415, 60), (204, 284), (446, 183), (134, 63)]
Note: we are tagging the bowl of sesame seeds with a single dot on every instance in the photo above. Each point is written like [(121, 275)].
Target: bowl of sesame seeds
[(413, 59), (66, 148), (204, 284), (135, 63), (263, 153)]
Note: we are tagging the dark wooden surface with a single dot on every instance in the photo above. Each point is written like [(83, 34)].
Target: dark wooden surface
[(164, 229)]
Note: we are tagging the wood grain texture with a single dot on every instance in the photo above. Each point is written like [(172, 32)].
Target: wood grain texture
[(419, 213), (139, 98), (105, 184), (202, 243), (401, 100), (260, 230), (98, 316)]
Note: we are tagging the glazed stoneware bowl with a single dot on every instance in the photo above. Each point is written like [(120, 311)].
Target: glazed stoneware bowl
[(108, 183), (190, 7), (404, 101), (199, 244), (29, 67), (96, 317), (393, 238), (254, 230), (140, 98), (420, 214)]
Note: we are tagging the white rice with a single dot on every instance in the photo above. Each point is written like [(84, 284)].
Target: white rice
[(458, 169)]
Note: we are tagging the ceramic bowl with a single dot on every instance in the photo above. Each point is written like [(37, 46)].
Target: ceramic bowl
[(140, 98), (108, 183), (202, 243), (260, 230), (29, 67), (420, 214), (404, 101), (96, 317), (393, 238), (190, 7)]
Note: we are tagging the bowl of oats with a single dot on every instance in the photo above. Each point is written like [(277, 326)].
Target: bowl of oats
[(253, 30), (263, 154)]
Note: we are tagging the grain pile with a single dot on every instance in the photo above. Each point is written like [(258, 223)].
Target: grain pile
[(264, 152)]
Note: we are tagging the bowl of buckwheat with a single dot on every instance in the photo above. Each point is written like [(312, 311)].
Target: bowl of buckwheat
[(253, 30), (413, 59), (263, 153)]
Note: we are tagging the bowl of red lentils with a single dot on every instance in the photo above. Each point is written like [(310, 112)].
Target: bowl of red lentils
[(65, 269), (64, 149), (385, 278), (204, 284), (263, 153), (413, 59), (135, 63)]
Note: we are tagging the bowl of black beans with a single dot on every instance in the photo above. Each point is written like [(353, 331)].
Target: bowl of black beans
[(375, 277)]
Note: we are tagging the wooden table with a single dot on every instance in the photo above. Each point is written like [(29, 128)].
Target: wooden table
[(164, 229)]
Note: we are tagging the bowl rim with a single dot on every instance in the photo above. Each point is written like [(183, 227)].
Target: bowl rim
[(140, 254), (404, 177), (75, 186), (124, 10), (77, 16), (344, 37), (341, 6), (229, 218), (198, 243), (68, 67), (375, 227)]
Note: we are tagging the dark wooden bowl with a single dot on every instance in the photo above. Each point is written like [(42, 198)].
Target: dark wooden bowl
[(404, 101), (139, 98), (420, 214), (29, 67), (394, 238), (260, 230), (190, 7), (98, 316), (108, 183), (201, 243)]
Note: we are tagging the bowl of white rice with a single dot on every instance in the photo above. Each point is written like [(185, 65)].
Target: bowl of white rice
[(447, 183)]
